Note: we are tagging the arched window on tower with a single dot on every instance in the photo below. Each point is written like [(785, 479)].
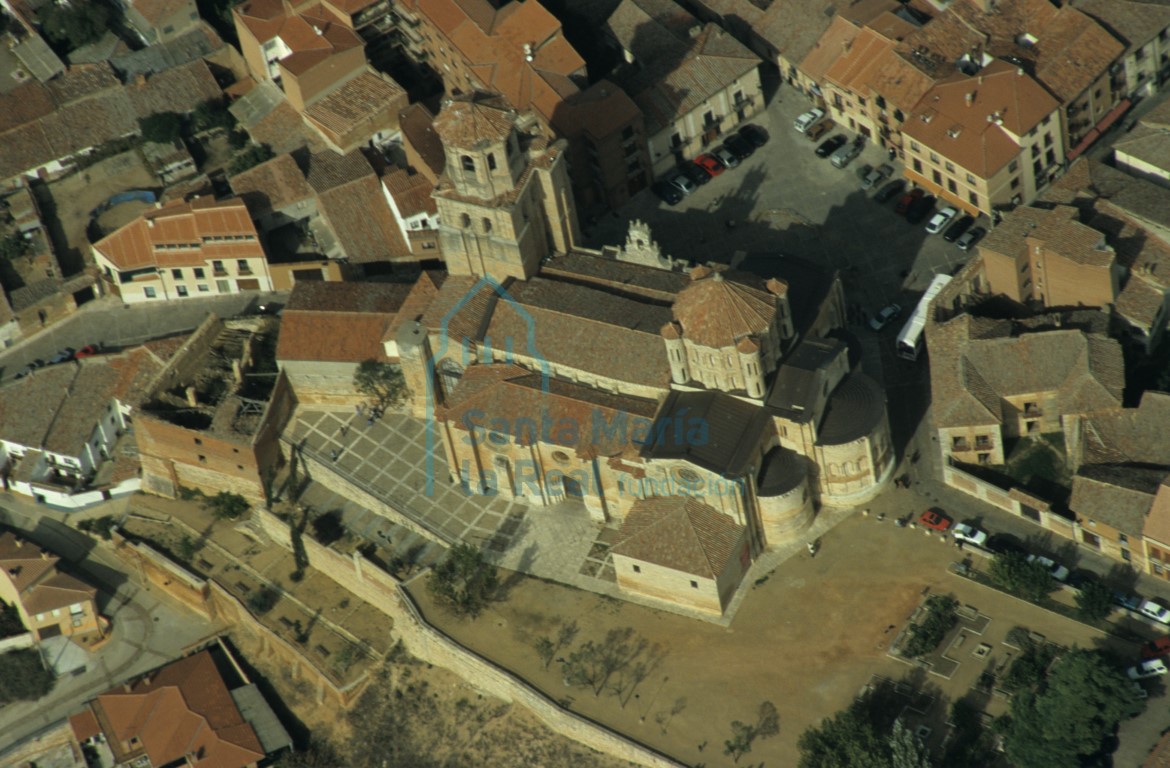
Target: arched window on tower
[(487, 224), (491, 161), (468, 162), (465, 220)]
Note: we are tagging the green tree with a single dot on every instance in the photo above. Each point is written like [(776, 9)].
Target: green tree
[(847, 740), (212, 114), (102, 526), (253, 155), (970, 745), (23, 677), (226, 505), (72, 26), (161, 127), (740, 743), (1013, 573), (381, 381), (187, 548), (10, 623), (545, 649), (1080, 703), (927, 634), (906, 749), (1094, 601), (14, 246), (464, 580)]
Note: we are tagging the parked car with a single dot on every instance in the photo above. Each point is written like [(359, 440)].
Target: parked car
[(1127, 600), (876, 176), (696, 175), (907, 200), (845, 155), (970, 237), (710, 164), (754, 135), (889, 191), (884, 317), (726, 156), (32, 366), (1156, 649), (1152, 609), (935, 520), (1058, 571), (808, 119), (819, 129), (831, 145), (64, 356), (1151, 668), (1005, 544), (961, 225), (682, 183), (742, 148), (863, 171), (920, 209), (668, 192), (941, 219), (969, 534), (89, 350)]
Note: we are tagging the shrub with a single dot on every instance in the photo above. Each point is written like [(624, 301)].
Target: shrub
[(926, 635)]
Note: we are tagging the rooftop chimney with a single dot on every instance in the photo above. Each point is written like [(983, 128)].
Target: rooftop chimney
[(970, 98)]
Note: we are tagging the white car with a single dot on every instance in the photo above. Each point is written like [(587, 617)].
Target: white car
[(808, 119), (1151, 668), (682, 184), (1059, 572), (726, 156), (884, 317), (1155, 611), (969, 534), (939, 221)]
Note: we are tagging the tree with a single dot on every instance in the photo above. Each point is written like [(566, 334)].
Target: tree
[(23, 677), (99, 525), (1013, 573), (14, 246), (253, 155), (212, 114), (906, 749), (1080, 703), (1094, 601), (969, 745), (10, 623), (72, 26), (226, 505), (263, 600), (464, 580), (545, 649), (847, 740), (382, 382), (187, 548), (161, 127), (927, 634)]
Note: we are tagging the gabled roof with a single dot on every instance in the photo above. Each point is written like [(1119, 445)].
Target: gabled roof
[(1117, 495), (417, 125), (179, 89), (360, 100), (1128, 435), (312, 36), (710, 429), (1057, 228), (363, 223), (182, 709), (411, 192), (681, 533), (35, 579), (716, 311), (1135, 22), (204, 228), (272, 185), (338, 322)]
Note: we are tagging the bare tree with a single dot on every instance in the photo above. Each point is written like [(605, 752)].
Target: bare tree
[(545, 649)]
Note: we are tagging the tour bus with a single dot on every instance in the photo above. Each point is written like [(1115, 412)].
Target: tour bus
[(912, 337)]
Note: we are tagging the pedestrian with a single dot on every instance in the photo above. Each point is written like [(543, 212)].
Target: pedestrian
[(812, 549), (370, 422), (333, 454)]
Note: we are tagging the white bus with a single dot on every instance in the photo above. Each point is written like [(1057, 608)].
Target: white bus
[(912, 337)]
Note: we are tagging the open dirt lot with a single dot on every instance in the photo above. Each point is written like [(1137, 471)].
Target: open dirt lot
[(808, 639)]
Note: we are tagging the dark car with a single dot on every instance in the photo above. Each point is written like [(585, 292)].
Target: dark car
[(889, 191), (32, 366), (1005, 544), (754, 135), (1127, 600), (920, 209), (739, 146), (696, 174), (907, 200), (667, 192), (831, 145), (820, 129), (961, 225), (970, 237), (64, 356)]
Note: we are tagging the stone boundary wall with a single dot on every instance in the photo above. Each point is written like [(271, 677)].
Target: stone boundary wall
[(431, 645), (16, 642), (1011, 501)]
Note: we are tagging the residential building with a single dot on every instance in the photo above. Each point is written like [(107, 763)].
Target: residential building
[(1111, 505), (201, 710), (504, 201), (693, 83), (424, 150), (182, 250), (268, 117), (984, 141), (63, 429), (353, 206), (365, 109), (50, 603), (1047, 257), (328, 329), (1144, 27), (1145, 149), (211, 419), (415, 212), (160, 21), (992, 382)]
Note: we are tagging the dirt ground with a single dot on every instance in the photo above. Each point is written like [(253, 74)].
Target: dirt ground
[(807, 639), (75, 196)]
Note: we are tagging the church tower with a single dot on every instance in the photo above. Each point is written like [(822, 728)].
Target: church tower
[(504, 199)]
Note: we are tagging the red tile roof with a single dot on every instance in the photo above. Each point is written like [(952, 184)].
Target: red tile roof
[(138, 244), (338, 322), (717, 312), (681, 533)]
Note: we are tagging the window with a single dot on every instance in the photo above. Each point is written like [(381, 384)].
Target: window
[(676, 140), (243, 266), (914, 146), (487, 224), (177, 274), (491, 161), (467, 162), (1046, 120), (202, 288), (1122, 538), (76, 608), (880, 101), (917, 165), (899, 116), (950, 167), (465, 220), (182, 291), (973, 198), (1092, 539), (958, 443), (202, 459), (1125, 555), (1035, 150), (1015, 181), (40, 617), (1013, 166), (933, 157), (1050, 157), (936, 176), (952, 186), (217, 267), (198, 272), (637, 568), (694, 584), (149, 292), (1048, 139), (56, 612), (198, 441), (1157, 569)]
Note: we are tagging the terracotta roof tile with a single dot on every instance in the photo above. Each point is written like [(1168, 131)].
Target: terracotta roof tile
[(23, 563), (681, 533), (421, 295), (329, 170), (362, 222), (793, 27), (467, 120), (338, 322), (418, 131), (717, 312), (1119, 496), (141, 242), (272, 185), (1057, 229), (464, 314), (360, 100), (411, 192)]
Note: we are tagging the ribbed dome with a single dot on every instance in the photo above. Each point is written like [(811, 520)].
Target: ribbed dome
[(716, 312), (782, 471), (853, 410)]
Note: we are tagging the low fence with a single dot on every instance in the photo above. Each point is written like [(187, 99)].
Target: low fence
[(1015, 500), (16, 642)]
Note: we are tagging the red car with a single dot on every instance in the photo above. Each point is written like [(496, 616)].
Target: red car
[(907, 200), (934, 520), (89, 350), (1156, 649), (710, 164)]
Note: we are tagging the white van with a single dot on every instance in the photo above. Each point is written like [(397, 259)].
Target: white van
[(845, 155)]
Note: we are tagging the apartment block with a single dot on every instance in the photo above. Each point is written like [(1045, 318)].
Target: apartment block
[(1144, 27), (50, 603)]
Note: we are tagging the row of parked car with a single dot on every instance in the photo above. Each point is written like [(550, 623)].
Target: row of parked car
[(691, 175), (63, 356)]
